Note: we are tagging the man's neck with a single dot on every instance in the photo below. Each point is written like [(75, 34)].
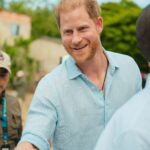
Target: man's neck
[(96, 69)]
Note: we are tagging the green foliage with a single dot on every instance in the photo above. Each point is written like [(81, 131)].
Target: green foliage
[(47, 23), (119, 33), (19, 7), (43, 20), (1, 3), (21, 59)]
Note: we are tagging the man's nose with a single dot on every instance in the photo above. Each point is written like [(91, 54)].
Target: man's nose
[(76, 38)]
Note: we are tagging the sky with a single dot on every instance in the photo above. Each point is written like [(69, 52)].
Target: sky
[(141, 3)]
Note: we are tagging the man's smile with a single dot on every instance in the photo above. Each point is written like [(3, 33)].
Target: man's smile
[(80, 48)]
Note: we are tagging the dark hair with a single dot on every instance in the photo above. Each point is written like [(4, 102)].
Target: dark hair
[(143, 32), (91, 6), (3, 71)]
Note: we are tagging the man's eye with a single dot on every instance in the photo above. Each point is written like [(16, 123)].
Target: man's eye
[(83, 28), (68, 32)]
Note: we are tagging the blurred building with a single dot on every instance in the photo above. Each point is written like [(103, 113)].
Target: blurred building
[(48, 51), (13, 25)]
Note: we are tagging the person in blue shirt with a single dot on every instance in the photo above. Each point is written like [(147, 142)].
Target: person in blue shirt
[(129, 128), (74, 102), (10, 111)]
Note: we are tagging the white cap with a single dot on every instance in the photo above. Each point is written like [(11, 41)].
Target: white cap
[(5, 61)]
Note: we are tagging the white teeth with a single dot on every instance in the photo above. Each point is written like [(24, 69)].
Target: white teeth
[(79, 48)]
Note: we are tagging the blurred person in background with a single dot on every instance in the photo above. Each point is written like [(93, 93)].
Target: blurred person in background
[(129, 128), (20, 85), (73, 103), (10, 112)]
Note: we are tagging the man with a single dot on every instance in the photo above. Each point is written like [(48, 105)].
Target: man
[(129, 128), (73, 103), (10, 113)]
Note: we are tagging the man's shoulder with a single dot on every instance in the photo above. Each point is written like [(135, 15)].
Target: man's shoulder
[(132, 138), (119, 56), (123, 61), (123, 118), (57, 75), (55, 72)]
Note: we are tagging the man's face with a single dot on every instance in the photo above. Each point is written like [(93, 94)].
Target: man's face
[(4, 78), (80, 34)]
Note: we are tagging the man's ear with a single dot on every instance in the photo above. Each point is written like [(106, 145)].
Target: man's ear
[(99, 24)]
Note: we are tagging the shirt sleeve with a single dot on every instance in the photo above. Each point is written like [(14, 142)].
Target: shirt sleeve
[(42, 118)]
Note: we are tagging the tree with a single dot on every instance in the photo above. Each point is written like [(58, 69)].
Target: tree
[(20, 6), (1, 3), (43, 23), (21, 60), (119, 33), (43, 20)]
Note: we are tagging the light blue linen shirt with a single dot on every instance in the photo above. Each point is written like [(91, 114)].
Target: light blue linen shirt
[(71, 111), (129, 128)]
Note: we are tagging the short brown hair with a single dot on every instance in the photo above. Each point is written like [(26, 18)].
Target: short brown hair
[(91, 6), (143, 32)]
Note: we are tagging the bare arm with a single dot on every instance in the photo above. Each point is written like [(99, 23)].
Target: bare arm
[(25, 146)]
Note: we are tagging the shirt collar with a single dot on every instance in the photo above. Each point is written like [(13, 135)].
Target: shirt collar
[(74, 71), (148, 81), (111, 59), (113, 64)]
